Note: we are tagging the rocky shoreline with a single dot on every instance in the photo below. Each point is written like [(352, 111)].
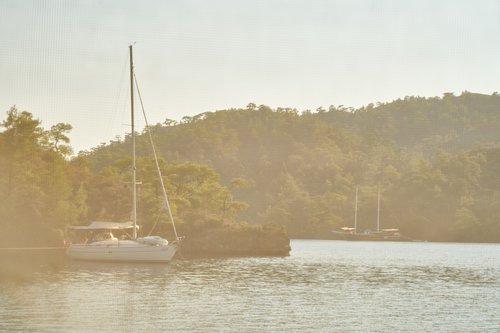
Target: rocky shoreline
[(26, 249), (236, 240)]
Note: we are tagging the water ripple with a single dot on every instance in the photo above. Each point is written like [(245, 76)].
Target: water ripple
[(324, 286)]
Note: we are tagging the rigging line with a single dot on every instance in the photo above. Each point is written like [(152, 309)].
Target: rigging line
[(165, 196), (156, 222), (119, 106)]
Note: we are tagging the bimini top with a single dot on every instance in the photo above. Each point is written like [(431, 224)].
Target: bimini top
[(104, 225)]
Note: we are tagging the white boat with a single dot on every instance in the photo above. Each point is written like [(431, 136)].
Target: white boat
[(100, 244)]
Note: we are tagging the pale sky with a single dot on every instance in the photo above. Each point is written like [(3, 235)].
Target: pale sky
[(66, 61)]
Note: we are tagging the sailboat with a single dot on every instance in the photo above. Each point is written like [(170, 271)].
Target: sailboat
[(349, 233), (103, 245)]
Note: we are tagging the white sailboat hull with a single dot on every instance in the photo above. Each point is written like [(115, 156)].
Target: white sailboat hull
[(105, 247), (122, 250)]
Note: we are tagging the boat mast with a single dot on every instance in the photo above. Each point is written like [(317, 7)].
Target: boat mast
[(356, 212), (378, 211), (134, 176)]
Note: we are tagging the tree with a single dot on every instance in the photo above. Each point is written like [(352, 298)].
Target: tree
[(35, 190), (20, 164), (57, 139)]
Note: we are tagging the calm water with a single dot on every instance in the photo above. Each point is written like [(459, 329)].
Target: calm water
[(323, 286)]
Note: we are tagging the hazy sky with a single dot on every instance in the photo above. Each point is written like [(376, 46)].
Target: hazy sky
[(66, 61)]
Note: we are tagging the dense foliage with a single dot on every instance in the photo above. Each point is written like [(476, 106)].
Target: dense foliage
[(435, 161), (43, 189), (36, 187)]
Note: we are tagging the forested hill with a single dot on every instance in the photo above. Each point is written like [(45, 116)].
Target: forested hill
[(434, 159), (451, 123)]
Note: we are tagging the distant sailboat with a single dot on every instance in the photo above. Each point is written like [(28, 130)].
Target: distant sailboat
[(104, 246), (348, 233)]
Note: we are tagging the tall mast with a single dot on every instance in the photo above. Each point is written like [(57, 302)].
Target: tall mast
[(134, 176), (356, 212), (378, 211)]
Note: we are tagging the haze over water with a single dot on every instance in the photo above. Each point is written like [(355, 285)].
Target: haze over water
[(323, 286)]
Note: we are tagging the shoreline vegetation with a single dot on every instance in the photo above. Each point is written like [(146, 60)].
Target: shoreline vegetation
[(236, 240), (247, 180), (29, 248)]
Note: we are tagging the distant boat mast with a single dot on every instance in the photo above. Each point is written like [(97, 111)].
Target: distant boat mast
[(378, 212), (356, 212)]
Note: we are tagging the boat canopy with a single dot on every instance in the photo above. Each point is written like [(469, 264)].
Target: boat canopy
[(347, 229), (95, 225)]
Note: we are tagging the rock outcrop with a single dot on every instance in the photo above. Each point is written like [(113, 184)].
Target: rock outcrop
[(237, 240)]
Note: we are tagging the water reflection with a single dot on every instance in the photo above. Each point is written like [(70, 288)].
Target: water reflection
[(322, 286)]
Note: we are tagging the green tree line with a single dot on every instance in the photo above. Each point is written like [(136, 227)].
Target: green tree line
[(43, 189), (435, 161)]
